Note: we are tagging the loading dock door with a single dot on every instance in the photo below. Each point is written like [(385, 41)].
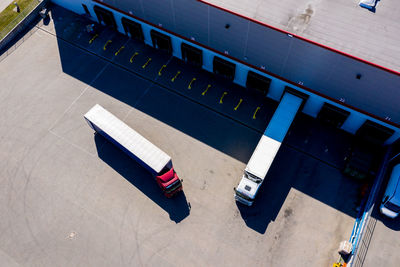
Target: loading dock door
[(297, 93), (374, 133), (224, 68), (161, 41), (192, 55), (105, 17), (258, 82), (331, 115), (133, 29), (283, 117)]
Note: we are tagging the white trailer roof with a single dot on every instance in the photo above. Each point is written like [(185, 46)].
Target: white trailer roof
[(263, 156), (283, 117), (270, 142), (154, 157)]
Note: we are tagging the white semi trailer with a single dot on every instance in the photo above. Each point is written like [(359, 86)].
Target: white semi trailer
[(156, 161), (267, 148)]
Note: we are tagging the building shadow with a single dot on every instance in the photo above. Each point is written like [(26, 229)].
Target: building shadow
[(177, 207), (303, 174), (393, 224), (295, 167), (268, 203), (128, 85), (19, 38)]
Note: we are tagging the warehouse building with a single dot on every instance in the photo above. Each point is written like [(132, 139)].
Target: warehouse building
[(341, 56)]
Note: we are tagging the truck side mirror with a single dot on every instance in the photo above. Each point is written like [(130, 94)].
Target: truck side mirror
[(234, 189)]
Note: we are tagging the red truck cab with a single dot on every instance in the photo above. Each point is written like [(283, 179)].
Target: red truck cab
[(169, 182)]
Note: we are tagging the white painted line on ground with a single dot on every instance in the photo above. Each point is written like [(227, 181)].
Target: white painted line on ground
[(72, 144), (76, 99)]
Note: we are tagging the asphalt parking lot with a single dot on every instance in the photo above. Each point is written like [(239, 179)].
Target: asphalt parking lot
[(71, 198)]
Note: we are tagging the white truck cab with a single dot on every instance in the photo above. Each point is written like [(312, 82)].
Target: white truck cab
[(267, 148), (247, 189), (256, 170), (391, 200)]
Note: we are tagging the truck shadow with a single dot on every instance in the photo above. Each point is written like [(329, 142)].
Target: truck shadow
[(266, 207), (393, 224), (269, 200), (178, 208), (305, 177)]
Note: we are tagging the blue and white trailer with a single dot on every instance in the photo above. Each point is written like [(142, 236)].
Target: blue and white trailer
[(267, 148)]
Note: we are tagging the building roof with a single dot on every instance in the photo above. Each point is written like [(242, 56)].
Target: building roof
[(341, 24)]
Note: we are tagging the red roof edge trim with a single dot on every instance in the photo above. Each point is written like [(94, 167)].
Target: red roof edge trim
[(302, 38)]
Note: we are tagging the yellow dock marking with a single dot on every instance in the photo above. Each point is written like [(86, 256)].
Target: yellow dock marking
[(255, 112), (159, 72), (223, 95), (205, 91), (94, 37), (176, 75), (147, 63), (190, 84), (237, 106), (105, 46), (119, 50), (134, 55)]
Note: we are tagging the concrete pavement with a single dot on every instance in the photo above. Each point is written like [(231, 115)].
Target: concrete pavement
[(68, 197)]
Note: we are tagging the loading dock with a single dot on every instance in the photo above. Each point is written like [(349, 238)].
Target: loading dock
[(192, 55), (332, 115), (362, 161), (374, 133), (161, 41), (283, 117), (258, 82), (105, 17), (267, 149), (133, 29), (297, 93), (224, 68)]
